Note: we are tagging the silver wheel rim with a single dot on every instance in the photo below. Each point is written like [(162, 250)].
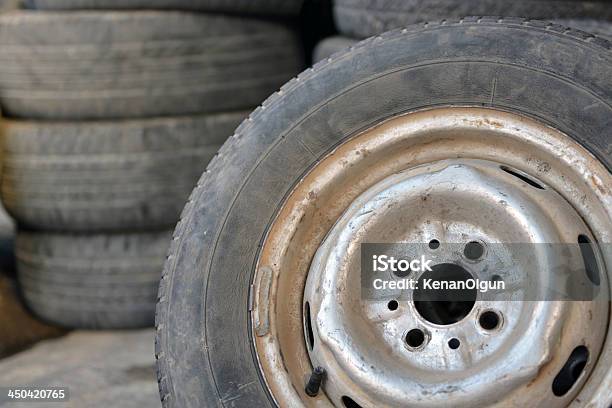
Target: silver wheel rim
[(321, 222)]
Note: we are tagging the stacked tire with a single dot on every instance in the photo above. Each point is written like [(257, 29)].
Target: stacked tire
[(359, 19), (113, 111)]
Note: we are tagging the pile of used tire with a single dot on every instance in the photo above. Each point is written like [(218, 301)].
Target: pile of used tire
[(359, 19), (113, 108)]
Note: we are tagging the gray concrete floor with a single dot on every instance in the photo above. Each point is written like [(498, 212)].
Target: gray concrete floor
[(101, 369)]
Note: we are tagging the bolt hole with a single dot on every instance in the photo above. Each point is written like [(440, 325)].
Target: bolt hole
[(402, 270), (308, 324), (571, 371), (349, 403), (415, 338), (393, 305), (523, 177), (473, 250), (489, 320), (496, 278), (589, 259), (454, 343), (434, 244)]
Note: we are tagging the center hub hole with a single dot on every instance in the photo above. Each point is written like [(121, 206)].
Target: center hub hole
[(446, 304)]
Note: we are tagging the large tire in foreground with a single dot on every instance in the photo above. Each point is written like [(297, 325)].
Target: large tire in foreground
[(270, 7), (600, 28), (214, 312), (131, 64), (329, 46), (91, 281), (101, 176), (365, 18), (8, 5)]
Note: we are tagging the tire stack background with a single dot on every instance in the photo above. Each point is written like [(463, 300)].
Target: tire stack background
[(112, 111), (359, 19)]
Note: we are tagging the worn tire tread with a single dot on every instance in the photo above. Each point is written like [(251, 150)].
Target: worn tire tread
[(64, 280)]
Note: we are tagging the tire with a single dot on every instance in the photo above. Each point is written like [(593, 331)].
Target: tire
[(365, 18), (204, 345), (104, 176), (269, 7), (6, 5), (134, 64), (91, 281), (600, 28), (329, 46)]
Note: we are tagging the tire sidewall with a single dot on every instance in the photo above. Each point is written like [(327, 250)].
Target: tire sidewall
[(203, 319)]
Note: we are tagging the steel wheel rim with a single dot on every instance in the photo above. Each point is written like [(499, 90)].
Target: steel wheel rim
[(405, 142)]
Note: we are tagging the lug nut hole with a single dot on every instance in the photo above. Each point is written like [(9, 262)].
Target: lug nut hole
[(473, 250), (402, 273), (454, 343), (393, 305), (489, 320), (434, 244), (415, 338)]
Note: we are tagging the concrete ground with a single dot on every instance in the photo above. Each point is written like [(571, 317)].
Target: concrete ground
[(100, 369)]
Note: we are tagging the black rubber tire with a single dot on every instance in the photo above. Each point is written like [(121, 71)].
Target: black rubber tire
[(365, 18), (6, 5), (204, 349), (134, 64), (105, 176), (91, 281), (601, 28), (331, 45), (260, 7)]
